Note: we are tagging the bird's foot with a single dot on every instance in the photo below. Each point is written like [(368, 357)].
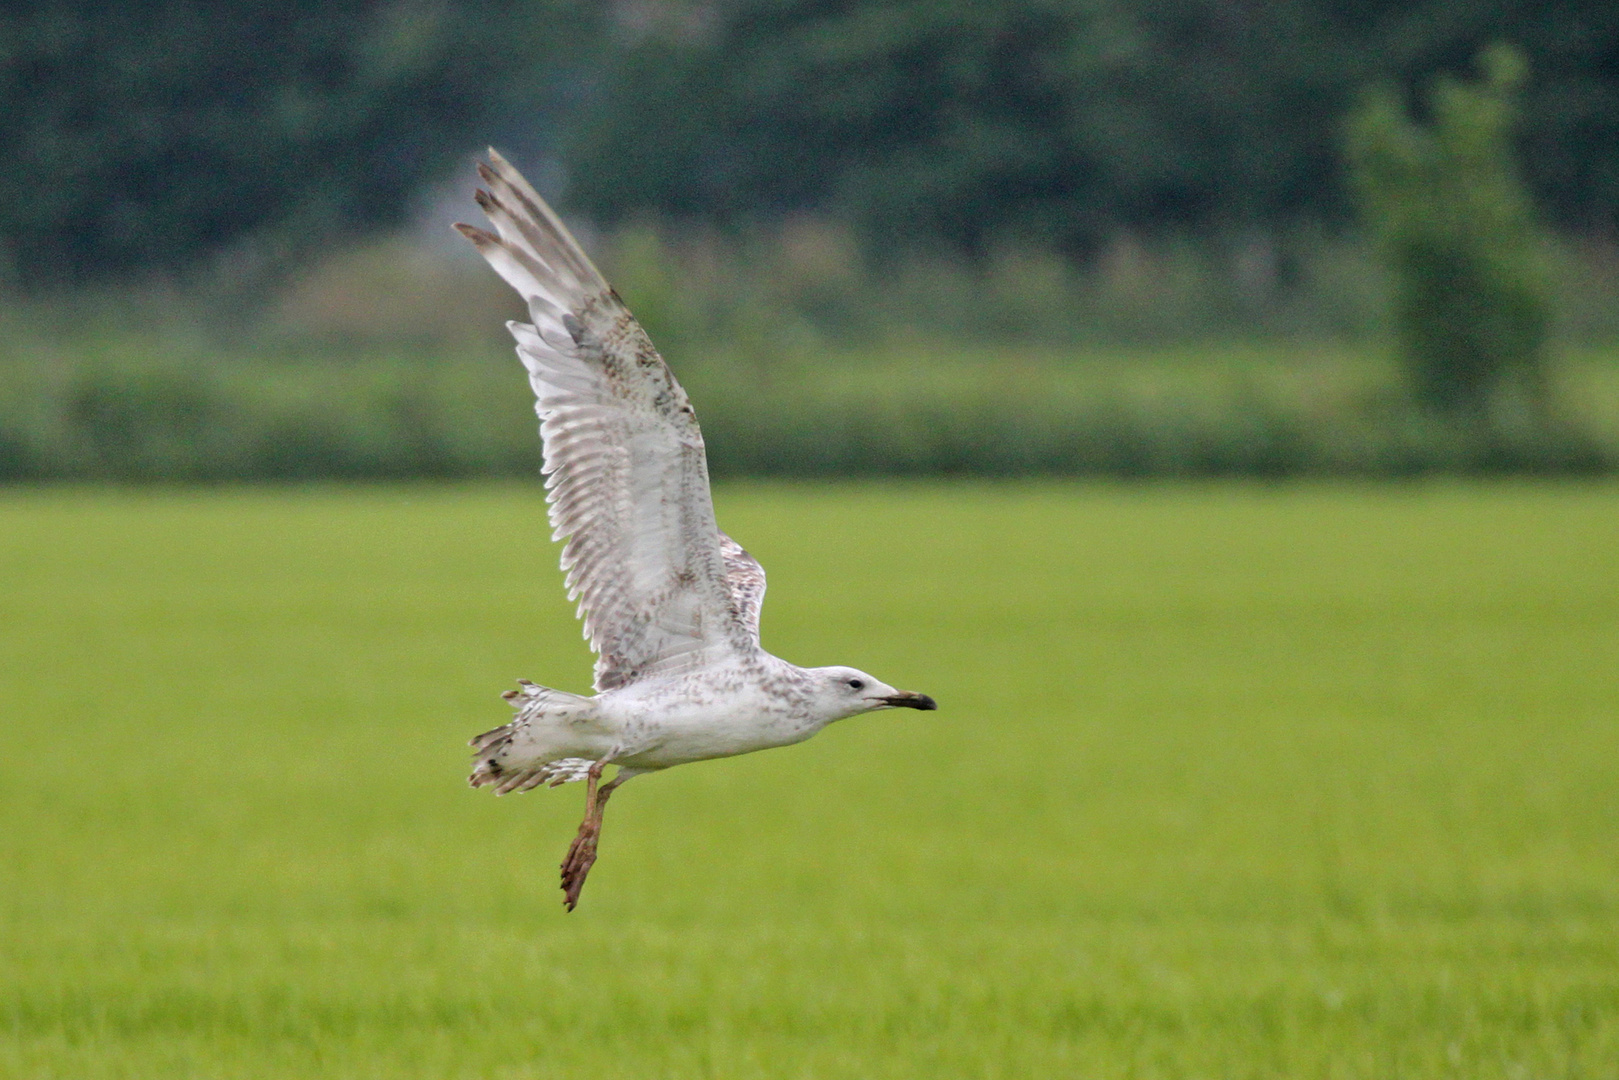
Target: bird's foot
[(581, 857)]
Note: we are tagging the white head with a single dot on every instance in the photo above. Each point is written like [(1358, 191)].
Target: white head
[(841, 692)]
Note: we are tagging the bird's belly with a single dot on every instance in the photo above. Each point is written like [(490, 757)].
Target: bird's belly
[(680, 737)]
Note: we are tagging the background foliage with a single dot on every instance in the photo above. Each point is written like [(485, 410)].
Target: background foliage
[(144, 136), (873, 237), (1471, 306), (139, 136), (1062, 122)]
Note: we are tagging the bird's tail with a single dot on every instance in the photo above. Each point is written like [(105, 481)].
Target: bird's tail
[(512, 757)]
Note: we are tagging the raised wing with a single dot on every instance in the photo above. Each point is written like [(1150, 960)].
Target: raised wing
[(625, 471), (747, 580)]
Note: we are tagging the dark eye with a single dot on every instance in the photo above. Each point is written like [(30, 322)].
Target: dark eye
[(856, 684)]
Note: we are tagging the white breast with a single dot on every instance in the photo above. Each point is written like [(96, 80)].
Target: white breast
[(717, 712)]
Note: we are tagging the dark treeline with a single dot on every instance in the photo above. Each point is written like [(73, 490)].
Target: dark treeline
[(138, 137), (1068, 122)]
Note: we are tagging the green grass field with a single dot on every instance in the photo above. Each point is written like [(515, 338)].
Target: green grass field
[(1227, 781)]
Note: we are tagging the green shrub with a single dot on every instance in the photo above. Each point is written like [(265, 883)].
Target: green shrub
[(122, 414), (1471, 307)]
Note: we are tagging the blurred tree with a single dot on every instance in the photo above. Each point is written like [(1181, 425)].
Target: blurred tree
[(1446, 201), (137, 136), (960, 120), (1057, 121), (1568, 129)]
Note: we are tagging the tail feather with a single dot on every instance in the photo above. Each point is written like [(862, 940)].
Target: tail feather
[(503, 762)]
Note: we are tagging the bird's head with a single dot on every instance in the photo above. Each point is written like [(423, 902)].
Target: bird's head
[(846, 691)]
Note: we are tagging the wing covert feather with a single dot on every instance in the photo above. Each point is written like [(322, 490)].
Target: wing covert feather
[(747, 580)]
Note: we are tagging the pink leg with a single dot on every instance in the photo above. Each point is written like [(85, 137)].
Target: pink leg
[(582, 854)]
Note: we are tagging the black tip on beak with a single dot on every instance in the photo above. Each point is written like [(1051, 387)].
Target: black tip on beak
[(912, 701)]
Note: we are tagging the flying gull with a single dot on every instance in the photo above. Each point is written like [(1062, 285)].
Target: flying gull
[(670, 604)]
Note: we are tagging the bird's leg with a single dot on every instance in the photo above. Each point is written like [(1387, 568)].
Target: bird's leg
[(582, 854)]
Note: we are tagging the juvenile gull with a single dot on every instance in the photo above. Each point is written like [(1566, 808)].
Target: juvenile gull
[(669, 603)]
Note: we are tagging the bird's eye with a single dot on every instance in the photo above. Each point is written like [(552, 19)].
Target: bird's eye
[(856, 684)]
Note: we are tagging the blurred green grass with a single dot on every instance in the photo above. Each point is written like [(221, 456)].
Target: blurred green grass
[(1236, 780)]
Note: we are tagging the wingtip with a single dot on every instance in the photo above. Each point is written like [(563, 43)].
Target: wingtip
[(475, 234)]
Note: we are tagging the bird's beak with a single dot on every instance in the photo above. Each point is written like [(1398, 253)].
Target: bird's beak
[(907, 700)]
